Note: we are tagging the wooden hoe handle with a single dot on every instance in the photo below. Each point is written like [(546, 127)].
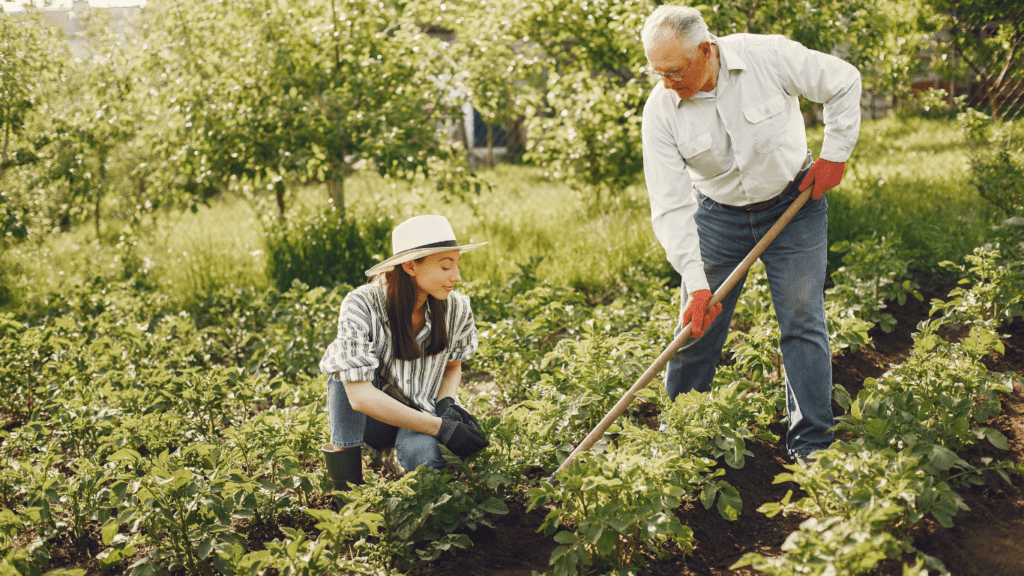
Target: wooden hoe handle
[(684, 334)]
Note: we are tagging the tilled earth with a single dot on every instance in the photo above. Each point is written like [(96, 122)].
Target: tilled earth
[(988, 540)]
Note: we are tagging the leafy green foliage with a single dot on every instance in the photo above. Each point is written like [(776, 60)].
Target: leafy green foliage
[(34, 56), (258, 91), (619, 506), (324, 248), (873, 272), (829, 546), (939, 395), (994, 294), (980, 45), (420, 514), (997, 161)]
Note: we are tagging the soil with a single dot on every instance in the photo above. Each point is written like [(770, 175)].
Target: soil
[(988, 540)]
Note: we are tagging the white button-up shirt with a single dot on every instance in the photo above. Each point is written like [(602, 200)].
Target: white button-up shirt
[(743, 143)]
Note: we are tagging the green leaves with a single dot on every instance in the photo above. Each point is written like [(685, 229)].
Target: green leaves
[(729, 502), (994, 295)]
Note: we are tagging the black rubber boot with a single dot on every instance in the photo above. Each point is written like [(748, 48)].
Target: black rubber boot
[(344, 467)]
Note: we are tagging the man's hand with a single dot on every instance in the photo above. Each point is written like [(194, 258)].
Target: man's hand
[(698, 314), (825, 175)]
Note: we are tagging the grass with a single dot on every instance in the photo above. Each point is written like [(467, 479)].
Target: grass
[(521, 216), (187, 256), (908, 178)]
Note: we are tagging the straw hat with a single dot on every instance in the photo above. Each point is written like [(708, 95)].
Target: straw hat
[(418, 237)]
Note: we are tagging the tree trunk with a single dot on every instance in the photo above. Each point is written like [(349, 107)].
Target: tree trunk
[(96, 213), (99, 191), (490, 147), (990, 90), (336, 190), (3, 155), (279, 192)]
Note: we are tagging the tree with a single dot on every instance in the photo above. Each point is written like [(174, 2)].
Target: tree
[(33, 57), (984, 45), (93, 118), (256, 90), (492, 64)]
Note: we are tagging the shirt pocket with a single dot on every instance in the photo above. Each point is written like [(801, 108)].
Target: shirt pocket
[(767, 122), (696, 146)]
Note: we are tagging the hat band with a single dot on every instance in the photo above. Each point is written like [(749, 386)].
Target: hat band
[(442, 244)]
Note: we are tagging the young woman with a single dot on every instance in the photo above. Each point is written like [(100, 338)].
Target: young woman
[(397, 360)]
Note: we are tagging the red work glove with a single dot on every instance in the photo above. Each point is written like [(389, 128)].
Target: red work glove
[(698, 314), (825, 175)]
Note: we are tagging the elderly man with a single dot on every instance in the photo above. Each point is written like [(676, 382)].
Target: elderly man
[(725, 153)]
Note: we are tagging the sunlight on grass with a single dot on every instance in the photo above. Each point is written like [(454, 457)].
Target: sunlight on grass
[(910, 178), (195, 254), (522, 215)]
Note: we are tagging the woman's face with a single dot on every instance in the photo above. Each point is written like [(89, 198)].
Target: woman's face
[(436, 274)]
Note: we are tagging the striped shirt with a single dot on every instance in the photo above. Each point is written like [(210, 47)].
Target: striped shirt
[(364, 345)]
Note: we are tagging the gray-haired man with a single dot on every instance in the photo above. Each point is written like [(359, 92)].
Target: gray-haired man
[(725, 153)]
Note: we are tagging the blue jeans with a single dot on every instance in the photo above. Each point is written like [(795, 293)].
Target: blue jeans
[(348, 428), (795, 263)]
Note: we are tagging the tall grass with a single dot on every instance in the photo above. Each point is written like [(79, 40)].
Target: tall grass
[(523, 215), (909, 178)]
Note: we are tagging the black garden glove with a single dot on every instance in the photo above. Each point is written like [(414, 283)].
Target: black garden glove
[(447, 408), (462, 440)]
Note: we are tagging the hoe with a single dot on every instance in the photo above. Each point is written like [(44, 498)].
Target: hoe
[(684, 334)]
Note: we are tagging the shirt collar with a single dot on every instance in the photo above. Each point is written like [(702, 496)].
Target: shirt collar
[(729, 58)]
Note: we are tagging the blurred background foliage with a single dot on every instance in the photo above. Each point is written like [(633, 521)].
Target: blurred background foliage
[(203, 144)]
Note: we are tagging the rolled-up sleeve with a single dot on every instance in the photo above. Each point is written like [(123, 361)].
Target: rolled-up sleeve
[(351, 357), (464, 337)]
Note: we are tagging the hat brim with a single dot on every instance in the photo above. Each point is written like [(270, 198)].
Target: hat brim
[(390, 263)]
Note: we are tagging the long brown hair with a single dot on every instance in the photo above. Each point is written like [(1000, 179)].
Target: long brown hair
[(401, 297)]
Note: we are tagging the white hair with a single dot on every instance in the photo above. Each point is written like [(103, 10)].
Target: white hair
[(683, 23)]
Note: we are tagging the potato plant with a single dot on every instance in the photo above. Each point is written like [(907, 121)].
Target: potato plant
[(168, 428)]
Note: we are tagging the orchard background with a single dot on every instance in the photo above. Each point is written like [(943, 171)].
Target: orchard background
[(185, 201)]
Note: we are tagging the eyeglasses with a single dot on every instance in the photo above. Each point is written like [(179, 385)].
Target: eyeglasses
[(671, 77)]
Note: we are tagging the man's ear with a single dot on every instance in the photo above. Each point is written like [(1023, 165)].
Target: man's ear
[(410, 268)]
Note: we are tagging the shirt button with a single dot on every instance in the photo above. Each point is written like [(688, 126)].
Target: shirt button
[(766, 110)]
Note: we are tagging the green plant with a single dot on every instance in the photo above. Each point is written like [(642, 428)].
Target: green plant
[(844, 482), (30, 353), (323, 248), (829, 546), (873, 272), (609, 509), (293, 334), (995, 294), (420, 514), (182, 514), (939, 395), (513, 350)]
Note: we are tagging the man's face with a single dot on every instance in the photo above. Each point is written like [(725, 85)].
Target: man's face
[(672, 60)]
